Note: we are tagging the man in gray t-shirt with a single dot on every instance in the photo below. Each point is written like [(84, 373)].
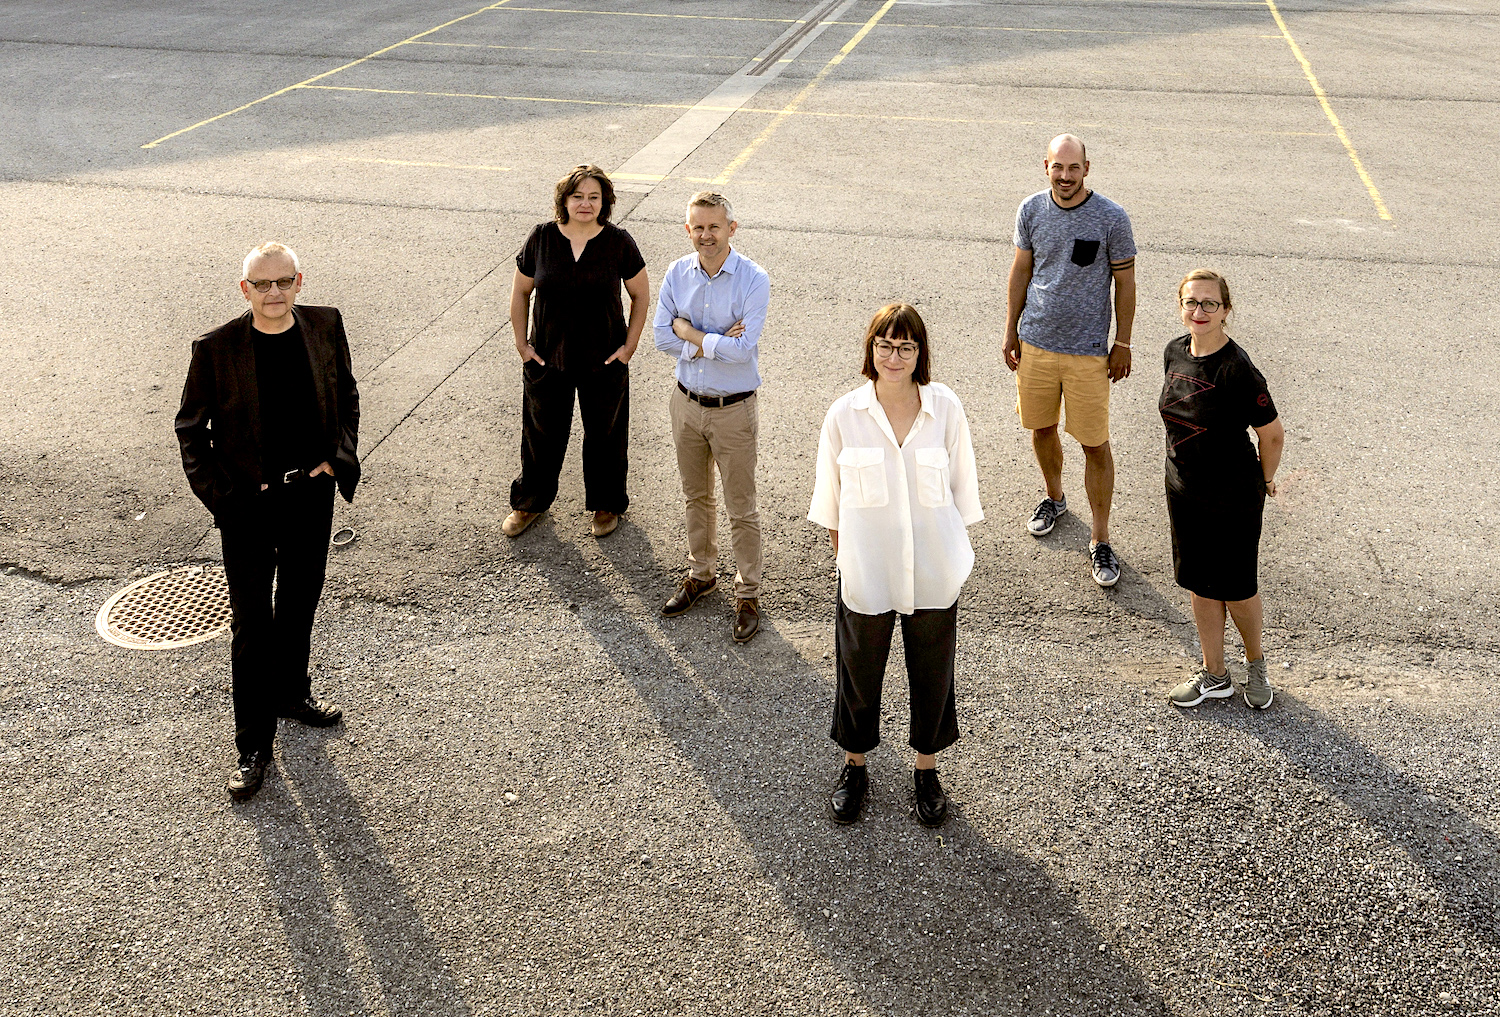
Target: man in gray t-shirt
[(1072, 247)]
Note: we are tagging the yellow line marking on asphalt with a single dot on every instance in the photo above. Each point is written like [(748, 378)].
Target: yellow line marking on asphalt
[(1062, 31), (784, 111), (408, 162), (1338, 128), (320, 77), (505, 98), (644, 14), (683, 54), (791, 107)]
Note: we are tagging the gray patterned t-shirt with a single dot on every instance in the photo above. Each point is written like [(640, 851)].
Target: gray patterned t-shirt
[(1068, 306)]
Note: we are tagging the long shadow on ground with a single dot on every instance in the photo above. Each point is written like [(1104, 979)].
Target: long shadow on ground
[(915, 923)]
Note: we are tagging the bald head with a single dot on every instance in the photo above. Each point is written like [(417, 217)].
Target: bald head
[(1066, 165), (1067, 147)]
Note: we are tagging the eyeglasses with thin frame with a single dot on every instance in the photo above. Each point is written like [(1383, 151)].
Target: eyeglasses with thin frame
[(264, 285), (1207, 306), (905, 351)]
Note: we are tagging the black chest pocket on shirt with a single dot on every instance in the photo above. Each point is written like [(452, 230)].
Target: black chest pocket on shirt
[(1084, 252)]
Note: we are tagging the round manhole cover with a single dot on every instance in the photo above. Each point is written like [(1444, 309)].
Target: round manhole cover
[(175, 608)]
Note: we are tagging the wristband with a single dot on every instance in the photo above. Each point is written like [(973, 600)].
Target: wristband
[(1120, 345)]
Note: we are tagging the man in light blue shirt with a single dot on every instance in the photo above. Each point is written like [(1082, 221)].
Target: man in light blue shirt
[(709, 315)]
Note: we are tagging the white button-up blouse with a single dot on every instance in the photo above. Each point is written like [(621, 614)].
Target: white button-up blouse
[(901, 509)]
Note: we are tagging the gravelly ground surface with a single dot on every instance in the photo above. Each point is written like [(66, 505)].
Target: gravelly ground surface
[(569, 804)]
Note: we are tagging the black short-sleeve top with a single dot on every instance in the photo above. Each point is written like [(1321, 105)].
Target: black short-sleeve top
[(1207, 404), (577, 317)]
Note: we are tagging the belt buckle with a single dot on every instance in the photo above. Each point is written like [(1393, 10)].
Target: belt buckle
[(289, 476)]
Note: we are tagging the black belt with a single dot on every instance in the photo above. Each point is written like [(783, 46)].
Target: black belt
[(714, 402)]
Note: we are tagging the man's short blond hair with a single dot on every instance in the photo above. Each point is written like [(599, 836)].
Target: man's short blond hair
[(266, 251), (710, 199)]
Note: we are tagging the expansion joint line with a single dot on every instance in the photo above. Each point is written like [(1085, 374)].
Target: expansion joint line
[(325, 74), (1338, 128), (760, 139)]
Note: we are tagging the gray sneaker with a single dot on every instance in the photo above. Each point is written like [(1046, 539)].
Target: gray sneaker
[(1203, 686), (1104, 564), (1258, 692), (1045, 516)]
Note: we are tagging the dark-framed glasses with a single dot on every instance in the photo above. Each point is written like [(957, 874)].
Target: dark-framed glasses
[(264, 285), (1207, 306), (905, 351)]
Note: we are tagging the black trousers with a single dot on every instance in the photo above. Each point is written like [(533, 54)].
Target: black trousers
[(862, 645), (282, 543), (547, 421)]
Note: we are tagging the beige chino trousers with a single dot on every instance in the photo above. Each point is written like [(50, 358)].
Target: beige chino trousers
[(724, 436)]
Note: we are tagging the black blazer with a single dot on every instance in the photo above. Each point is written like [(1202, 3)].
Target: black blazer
[(218, 424)]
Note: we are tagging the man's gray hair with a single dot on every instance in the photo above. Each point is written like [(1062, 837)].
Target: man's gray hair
[(265, 251), (710, 199)]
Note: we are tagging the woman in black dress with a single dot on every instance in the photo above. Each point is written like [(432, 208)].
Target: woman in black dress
[(1217, 484), (578, 342)]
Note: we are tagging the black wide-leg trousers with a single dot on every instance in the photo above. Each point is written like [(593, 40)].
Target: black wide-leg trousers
[(275, 556), (547, 421), (862, 645)]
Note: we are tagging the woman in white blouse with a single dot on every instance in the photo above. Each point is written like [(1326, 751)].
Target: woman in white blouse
[(896, 490)]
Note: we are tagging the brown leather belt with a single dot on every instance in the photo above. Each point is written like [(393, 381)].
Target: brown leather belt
[(715, 402)]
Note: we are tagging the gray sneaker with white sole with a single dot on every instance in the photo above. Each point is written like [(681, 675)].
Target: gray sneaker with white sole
[(1203, 686), (1258, 692)]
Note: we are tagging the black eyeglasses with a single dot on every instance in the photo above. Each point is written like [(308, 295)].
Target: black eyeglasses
[(264, 285), (1208, 306), (905, 351)]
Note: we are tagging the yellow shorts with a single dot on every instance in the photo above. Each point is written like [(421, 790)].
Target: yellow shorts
[(1046, 380)]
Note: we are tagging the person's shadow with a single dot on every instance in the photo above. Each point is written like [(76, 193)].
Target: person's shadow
[(917, 921), (307, 821), (1460, 856)]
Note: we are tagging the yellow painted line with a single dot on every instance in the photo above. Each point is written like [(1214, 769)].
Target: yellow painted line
[(1063, 31), (407, 162), (777, 112), (320, 77), (681, 54), (791, 107), (643, 14), (1338, 128), (505, 98)]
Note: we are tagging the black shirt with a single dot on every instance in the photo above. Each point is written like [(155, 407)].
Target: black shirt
[(578, 318), (1207, 403), (290, 429)]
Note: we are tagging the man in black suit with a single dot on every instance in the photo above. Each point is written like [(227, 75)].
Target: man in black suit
[(269, 424)]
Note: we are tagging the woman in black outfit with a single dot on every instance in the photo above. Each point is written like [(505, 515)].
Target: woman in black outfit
[(1217, 484), (578, 342)]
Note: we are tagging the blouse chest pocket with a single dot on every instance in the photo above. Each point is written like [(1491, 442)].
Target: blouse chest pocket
[(933, 487), (862, 478)]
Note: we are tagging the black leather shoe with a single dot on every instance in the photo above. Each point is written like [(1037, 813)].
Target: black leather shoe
[(687, 595), (249, 776), (746, 619), (932, 804), (314, 713), (849, 794)]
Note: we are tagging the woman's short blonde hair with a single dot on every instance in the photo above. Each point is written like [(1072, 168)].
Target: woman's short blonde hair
[(1211, 276), (574, 180)]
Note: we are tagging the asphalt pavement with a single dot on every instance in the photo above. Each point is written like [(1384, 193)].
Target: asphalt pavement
[(545, 797)]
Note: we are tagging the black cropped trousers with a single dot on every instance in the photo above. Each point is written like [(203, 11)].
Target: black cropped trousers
[(862, 646)]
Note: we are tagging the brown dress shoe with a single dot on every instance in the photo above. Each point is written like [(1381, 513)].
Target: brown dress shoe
[(515, 524), (746, 619), (687, 595), (605, 523)]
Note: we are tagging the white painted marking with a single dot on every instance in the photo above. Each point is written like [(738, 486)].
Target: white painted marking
[(652, 164)]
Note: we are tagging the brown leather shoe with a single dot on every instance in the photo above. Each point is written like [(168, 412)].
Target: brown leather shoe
[(515, 524), (687, 595), (746, 619), (605, 523)]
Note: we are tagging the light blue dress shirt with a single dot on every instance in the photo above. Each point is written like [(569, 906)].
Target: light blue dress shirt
[(740, 292)]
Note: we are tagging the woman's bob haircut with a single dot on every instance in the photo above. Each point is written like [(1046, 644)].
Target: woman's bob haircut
[(574, 180), (901, 323)]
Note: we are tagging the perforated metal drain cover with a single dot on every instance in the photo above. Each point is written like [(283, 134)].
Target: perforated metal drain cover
[(175, 608)]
